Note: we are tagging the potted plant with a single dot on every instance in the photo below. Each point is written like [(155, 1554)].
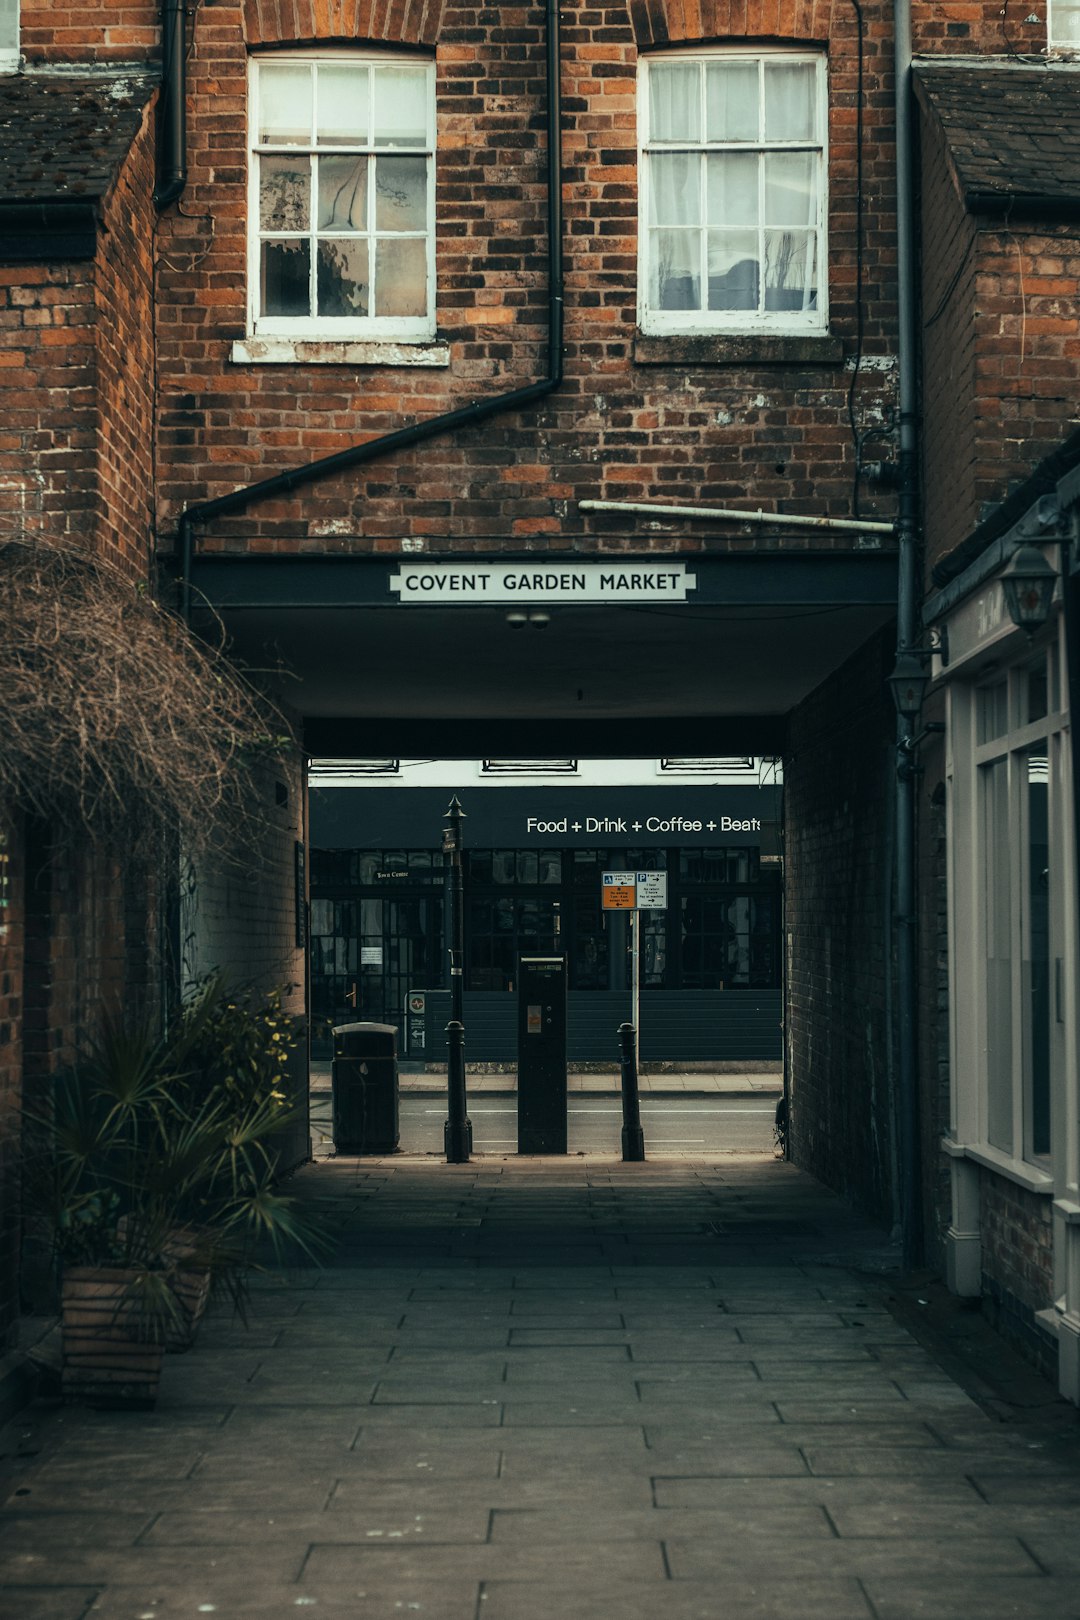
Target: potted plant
[(158, 1182)]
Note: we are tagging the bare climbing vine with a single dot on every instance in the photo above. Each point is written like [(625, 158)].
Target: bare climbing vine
[(115, 721)]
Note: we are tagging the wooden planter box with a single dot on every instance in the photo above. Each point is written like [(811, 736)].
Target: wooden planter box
[(109, 1354)]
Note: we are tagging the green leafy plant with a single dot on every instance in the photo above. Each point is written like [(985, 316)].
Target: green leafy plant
[(158, 1153), (237, 1042)]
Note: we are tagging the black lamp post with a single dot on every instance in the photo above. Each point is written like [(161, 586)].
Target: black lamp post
[(456, 1130)]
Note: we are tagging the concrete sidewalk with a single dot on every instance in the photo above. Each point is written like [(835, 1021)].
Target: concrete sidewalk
[(504, 1083), (535, 1389)]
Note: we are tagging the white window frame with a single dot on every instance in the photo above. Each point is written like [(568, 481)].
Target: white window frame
[(528, 767), (1070, 44), (706, 767), (332, 328), (659, 323), (971, 860), (10, 56)]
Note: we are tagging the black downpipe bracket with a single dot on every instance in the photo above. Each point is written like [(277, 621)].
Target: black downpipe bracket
[(172, 108), (448, 421)]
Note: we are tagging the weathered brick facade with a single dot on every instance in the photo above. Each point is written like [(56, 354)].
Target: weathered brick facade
[(154, 330), (634, 417), (838, 903), (1001, 345), (12, 948), (76, 412), (1000, 292)]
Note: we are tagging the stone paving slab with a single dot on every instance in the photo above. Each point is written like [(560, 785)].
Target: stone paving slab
[(739, 1492), (351, 1525), (50, 1603), (438, 1600), (524, 1527), (944, 1554), (551, 1389), (764, 1599), (1005, 1598), (352, 1491), (380, 1566)]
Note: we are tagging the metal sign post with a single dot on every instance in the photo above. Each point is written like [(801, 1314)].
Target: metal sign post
[(634, 892), (635, 983)]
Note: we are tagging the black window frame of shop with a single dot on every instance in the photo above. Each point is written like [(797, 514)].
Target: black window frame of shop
[(709, 885), (583, 934)]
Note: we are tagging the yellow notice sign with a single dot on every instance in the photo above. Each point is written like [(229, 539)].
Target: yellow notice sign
[(619, 891)]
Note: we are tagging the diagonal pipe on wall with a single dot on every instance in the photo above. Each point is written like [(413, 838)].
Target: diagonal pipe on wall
[(448, 421)]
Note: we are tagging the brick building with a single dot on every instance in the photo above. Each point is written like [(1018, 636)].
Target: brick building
[(1000, 184), (76, 384), (595, 318)]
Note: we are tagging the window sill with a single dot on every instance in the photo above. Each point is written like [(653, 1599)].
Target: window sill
[(739, 349), (1023, 1175), (279, 351)]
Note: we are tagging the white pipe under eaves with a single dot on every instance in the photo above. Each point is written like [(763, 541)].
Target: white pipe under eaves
[(732, 515)]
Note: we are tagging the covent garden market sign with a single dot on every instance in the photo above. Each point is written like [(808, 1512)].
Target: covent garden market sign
[(483, 582)]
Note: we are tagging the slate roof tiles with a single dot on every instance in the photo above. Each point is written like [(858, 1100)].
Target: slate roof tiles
[(1012, 132), (63, 136)]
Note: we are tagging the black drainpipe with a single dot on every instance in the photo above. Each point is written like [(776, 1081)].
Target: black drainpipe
[(907, 636), (447, 421), (172, 108)]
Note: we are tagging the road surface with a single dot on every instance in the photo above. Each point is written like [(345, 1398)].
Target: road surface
[(683, 1123)]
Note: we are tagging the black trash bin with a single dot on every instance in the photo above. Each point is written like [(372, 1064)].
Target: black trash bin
[(365, 1088)]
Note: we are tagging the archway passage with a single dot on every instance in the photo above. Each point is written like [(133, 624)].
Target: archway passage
[(710, 664), (687, 654)]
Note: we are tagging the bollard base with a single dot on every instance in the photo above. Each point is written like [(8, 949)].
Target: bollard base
[(456, 1144), (633, 1145)]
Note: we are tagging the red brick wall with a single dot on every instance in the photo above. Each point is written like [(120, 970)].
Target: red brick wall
[(76, 414), (1017, 1262), (949, 439), (124, 352), (76, 383), (413, 22), (768, 432), (838, 779), (12, 873), (978, 28), (48, 413), (89, 30), (1001, 348)]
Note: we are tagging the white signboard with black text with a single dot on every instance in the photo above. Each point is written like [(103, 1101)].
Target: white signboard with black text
[(477, 584)]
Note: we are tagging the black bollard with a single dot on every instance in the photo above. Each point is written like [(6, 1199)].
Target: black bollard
[(457, 1133), (633, 1139)]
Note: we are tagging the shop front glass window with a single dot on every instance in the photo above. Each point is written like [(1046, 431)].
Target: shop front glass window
[(1022, 906)]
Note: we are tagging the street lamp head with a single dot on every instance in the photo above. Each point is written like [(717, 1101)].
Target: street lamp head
[(455, 815), (1028, 584), (908, 681)]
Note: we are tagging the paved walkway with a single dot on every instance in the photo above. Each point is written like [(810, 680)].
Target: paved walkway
[(533, 1390)]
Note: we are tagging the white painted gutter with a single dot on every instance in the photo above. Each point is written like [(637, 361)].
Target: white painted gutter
[(733, 515)]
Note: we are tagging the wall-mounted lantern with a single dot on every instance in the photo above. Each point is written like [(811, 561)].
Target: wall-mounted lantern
[(1028, 583)]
